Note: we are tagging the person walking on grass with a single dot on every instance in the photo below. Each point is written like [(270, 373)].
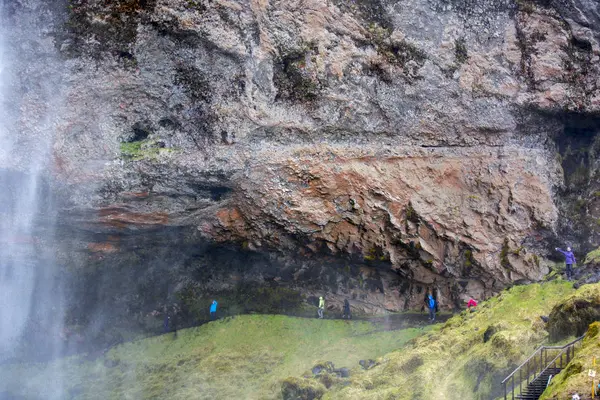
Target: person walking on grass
[(166, 321), (569, 261), (347, 310), (431, 305), (213, 310), (321, 307)]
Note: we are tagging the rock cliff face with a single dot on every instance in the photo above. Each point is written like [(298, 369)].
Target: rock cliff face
[(365, 149)]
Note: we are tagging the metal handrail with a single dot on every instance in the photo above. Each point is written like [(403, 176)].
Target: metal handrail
[(522, 365), (543, 366), (566, 348)]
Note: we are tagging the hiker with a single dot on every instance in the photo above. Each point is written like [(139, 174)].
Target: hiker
[(174, 318), (321, 307), (213, 310), (166, 320), (347, 310), (431, 305), (471, 303), (569, 260)]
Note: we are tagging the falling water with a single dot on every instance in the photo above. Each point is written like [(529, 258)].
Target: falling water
[(30, 296)]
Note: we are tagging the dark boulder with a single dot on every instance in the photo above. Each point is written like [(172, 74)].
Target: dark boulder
[(293, 388), (323, 367), (367, 364), (489, 332)]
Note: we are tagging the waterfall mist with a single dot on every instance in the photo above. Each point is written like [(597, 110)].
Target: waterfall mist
[(31, 303)]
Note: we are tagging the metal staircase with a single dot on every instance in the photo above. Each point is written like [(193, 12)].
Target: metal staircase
[(531, 378)]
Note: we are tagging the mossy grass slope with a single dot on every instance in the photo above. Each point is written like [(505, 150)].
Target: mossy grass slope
[(572, 315), (468, 356), (244, 357), (574, 378)]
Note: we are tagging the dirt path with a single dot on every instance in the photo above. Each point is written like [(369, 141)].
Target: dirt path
[(394, 322)]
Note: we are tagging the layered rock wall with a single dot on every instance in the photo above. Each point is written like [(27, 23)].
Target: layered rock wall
[(415, 139)]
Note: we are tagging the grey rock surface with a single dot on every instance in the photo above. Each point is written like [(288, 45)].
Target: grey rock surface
[(424, 144)]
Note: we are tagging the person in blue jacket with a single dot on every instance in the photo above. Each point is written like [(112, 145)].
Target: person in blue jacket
[(431, 305), (213, 310), (569, 260)]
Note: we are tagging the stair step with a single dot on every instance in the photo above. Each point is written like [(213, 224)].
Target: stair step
[(535, 383)]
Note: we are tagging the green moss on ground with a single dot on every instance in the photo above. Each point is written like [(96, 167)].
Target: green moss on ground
[(245, 357), (572, 315), (454, 361), (575, 377)]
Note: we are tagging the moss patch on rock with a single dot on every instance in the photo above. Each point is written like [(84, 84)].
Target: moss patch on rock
[(301, 389), (572, 315), (291, 76), (143, 149), (461, 55), (593, 257)]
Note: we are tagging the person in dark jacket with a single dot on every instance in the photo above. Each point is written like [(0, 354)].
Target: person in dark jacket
[(174, 319), (569, 260), (166, 320), (347, 310), (166, 323), (431, 305)]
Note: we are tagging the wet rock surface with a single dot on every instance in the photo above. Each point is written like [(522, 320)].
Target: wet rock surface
[(301, 389), (372, 151)]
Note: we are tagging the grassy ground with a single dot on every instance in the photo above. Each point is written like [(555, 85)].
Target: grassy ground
[(459, 360), (245, 357), (248, 357)]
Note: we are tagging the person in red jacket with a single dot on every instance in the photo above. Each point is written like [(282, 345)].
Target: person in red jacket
[(472, 303)]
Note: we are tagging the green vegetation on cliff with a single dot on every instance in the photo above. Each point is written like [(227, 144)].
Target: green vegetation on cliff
[(593, 257), (245, 357), (468, 356), (572, 315)]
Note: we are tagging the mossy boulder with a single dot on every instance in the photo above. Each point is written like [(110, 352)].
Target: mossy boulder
[(573, 315), (593, 257), (322, 367), (301, 389), (492, 330)]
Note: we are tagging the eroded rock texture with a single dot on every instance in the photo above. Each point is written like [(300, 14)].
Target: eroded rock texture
[(417, 144)]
